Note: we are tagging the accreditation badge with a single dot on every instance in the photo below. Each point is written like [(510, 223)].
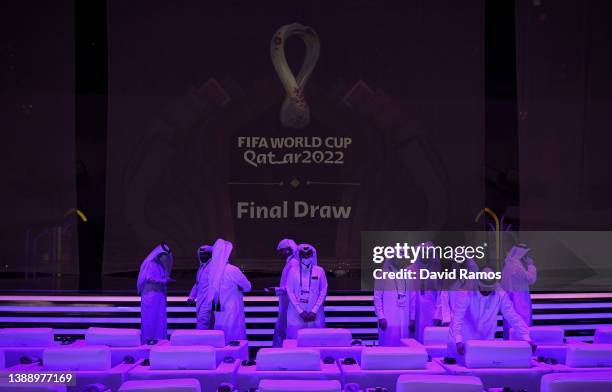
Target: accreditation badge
[(304, 296), (401, 300)]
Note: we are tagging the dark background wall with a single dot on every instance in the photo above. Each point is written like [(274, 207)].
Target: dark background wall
[(38, 233)]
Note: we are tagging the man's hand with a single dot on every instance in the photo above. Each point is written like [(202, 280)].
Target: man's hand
[(304, 315), (312, 316), (382, 323), (190, 300), (437, 322), (534, 347), (460, 348)]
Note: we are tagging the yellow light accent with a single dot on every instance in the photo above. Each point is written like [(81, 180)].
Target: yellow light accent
[(497, 231), (78, 212)]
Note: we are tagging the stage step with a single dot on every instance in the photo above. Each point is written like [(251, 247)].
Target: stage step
[(578, 313)]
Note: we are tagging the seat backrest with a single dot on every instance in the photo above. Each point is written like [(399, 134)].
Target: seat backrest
[(577, 381), (589, 355), (543, 335), (77, 358), (394, 358), (429, 383), (279, 359), (174, 385), (497, 354), (113, 337), (187, 337), (603, 335), (435, 335), (26, 337), (324, 337), (182, 358), (299, 386)]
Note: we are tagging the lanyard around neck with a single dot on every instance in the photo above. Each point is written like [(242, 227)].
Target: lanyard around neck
[(397, 286), (309, 276)]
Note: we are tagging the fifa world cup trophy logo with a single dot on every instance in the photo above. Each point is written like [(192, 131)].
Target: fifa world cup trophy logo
[(294, 112)]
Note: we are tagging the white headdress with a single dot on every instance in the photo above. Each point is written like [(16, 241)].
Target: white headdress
[(150, 267), (220, 258), (288, 243), (303, 250), (202, 250)]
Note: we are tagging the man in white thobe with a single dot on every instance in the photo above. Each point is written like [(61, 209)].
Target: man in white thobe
[(426, 291), (227, 283), (306, 289), (518, 274), (200, 293), (475, 316), (446, 298), (153, 278), (286, 249), (392, 300)]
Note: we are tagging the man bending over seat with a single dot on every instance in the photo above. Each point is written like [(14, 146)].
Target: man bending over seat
[(475, 316)]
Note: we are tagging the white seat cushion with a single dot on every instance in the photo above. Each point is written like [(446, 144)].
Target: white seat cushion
[(288, 359), (249, 376), (543, 335), (436, 383), (497, 354), (182, 358), (410, 342), (299, 386), (33, 388), (435, 336), (77, 358), (185, 337), (603, 335), (393, 358), (547, 335), (571, 382), (324, 337), (589, 355), (113, 337), (26, 337), (173, 385)]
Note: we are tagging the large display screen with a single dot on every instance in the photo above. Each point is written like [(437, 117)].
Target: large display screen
[(259, 123)]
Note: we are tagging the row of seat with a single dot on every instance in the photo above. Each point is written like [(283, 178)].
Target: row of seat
[(550, 341), (318, 360), (125, 344)]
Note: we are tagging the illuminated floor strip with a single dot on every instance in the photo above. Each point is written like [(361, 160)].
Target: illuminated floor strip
[(249, 309), (255, 298), (79, 310)]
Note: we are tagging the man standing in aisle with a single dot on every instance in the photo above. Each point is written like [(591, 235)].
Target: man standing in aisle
[(518, 274), (153, 278), (426, 291), (287, 249), (392, 304), (306, 289), (200, 292), (227, 283)]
